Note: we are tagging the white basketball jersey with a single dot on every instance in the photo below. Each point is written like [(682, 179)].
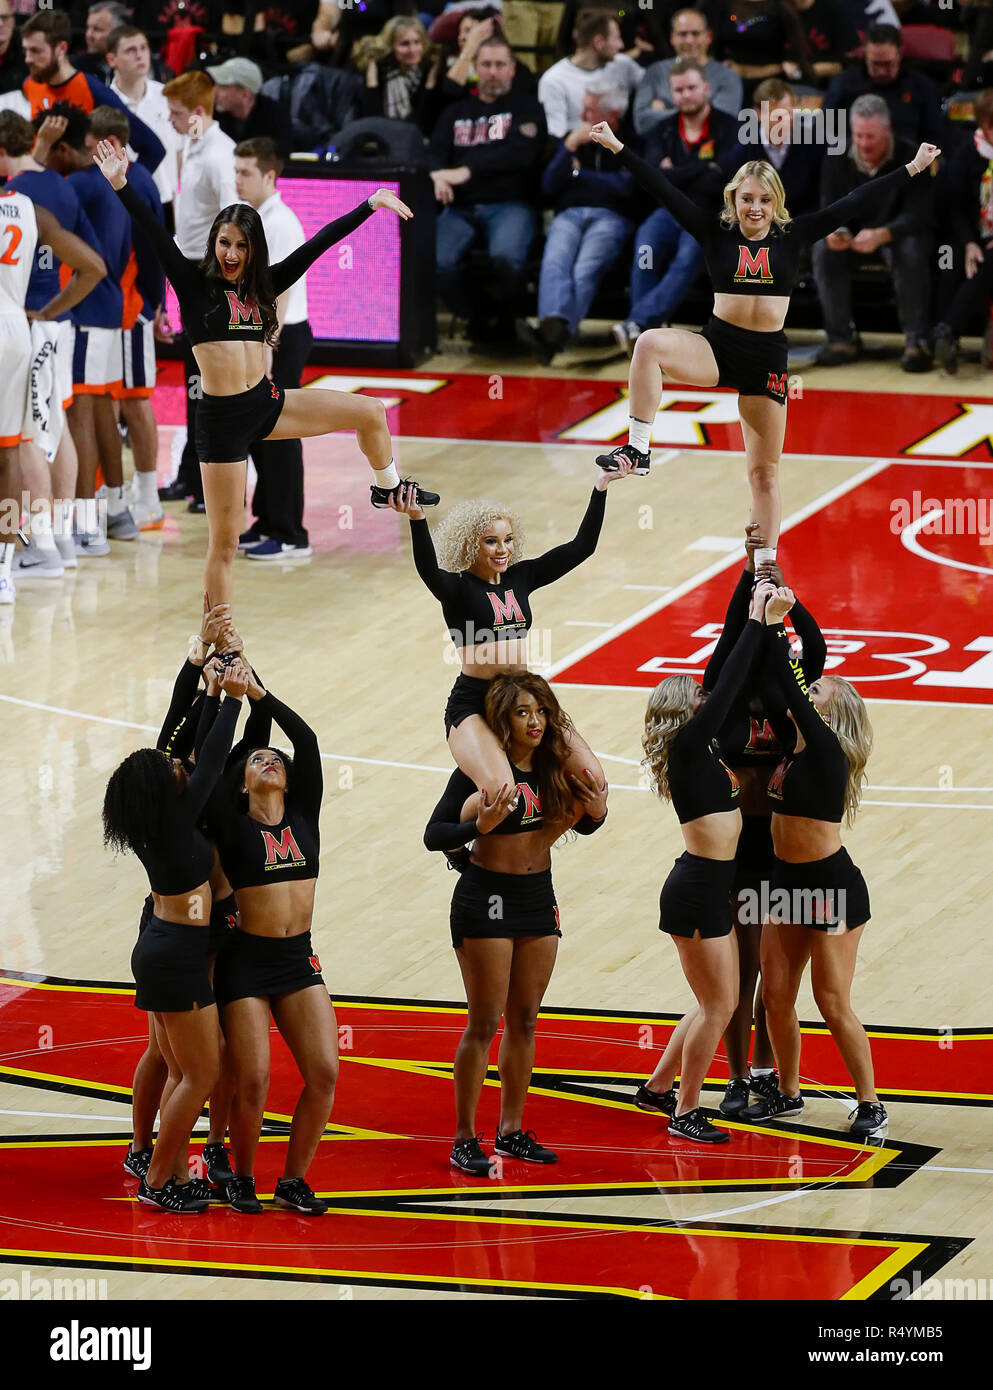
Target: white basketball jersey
[(18, 238)]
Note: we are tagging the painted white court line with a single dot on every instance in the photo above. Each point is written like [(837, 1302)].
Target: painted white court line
[(909, 541), (723, 543), (577, 622)]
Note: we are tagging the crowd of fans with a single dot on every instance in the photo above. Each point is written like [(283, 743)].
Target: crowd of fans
[(495, 102)]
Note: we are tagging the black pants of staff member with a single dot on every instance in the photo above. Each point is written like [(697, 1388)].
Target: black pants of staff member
[(962, 303), (278, 500), (907, 257)]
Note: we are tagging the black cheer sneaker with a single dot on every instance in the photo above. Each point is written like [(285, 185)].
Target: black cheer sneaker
[(217, 1163), (610, 463), (240, 1195), (468, 1157), (523, 1145), (171, 1197), (199, 1190), (870, 1119), (764, 1084), (735, 1098), (695, 1125), (663, 1102), (136, 1162), (778, 1106), (381, 495), (295, 1195)]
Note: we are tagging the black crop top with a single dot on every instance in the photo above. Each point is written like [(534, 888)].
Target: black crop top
[(476, 611), (756, 731), (180, 723), (212, 312), (182, 857), (812, 782), (252, 853), (737, 264), (445, 831), (699, 782)]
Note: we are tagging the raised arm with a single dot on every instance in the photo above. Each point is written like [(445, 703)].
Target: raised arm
[(184, 692), (215, 750), (708, 719), (308, 775), (788, 672), (563, 558), (143, 140), (814, 647), (287, 272), (691, 217), (734, 621), (861, 202), (113, 164)]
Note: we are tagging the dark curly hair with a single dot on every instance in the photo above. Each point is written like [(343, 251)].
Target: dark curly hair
[(552, 753), (255, 286), (140, 790)]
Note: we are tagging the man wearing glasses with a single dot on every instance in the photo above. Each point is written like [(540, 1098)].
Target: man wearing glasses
[(690, 37)]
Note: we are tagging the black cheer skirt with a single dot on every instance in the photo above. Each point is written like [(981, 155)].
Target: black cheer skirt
[(468, 696), (488, 904), (755, 364), (228, 426), (264, 967), (169, 964), (827, 894), (696, 897)]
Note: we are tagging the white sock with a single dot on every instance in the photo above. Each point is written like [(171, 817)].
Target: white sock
[(62, 510), (6, 558), (764, 555), (116, 501), (640, 435), (761, 1071), (147, 490), (41, 527), (387, 477), (86, 515)]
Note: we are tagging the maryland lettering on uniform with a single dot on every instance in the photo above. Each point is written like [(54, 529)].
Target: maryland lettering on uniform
[(481, 131), (761, 738), (750, 266), (242, 313), (532, 803), (278, 852), (506, 611), (777, 383), (735, 784)]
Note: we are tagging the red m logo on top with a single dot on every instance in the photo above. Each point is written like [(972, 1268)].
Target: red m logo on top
[(506, 610), (281, 850), (750, 265), (243, 313), (532, 802)]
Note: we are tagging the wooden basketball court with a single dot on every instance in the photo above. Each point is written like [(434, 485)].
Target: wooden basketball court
[(353, 641)]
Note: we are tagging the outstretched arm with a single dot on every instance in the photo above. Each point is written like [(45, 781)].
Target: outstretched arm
[(287, 272), (113, 164), (308, 775), (734, 621), (862, 201), (691, 217), (563, 558)]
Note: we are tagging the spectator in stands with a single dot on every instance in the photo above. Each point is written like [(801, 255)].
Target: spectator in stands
[(324, 30), (130, 60), (965, 288), (759, 39), (643, 26), (796, 161), (485, 154), (597, 58), (143, 287), (830, 33), (402, 73), (911, 97), (690, 37), (698, 148), (242, 112), (97, 360), (52, 79), (101, 21), (902, 236), (475, 27), (13, 69), (595, 204), (206, 186), (277, 533)]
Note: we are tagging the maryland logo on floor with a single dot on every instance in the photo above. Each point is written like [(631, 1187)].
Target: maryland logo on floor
[(401, 1218)]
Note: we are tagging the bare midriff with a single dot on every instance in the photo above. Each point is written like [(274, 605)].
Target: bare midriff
[(525, 853), (190, 909), (484, 660), (762, 313), (799, 840), (714, 836), (277, 909), (227, 369)]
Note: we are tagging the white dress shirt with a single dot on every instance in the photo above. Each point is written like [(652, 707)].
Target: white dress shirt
[(152, 108), (206, 184), (283, 234)]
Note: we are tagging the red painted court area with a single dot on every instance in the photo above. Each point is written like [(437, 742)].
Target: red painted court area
[(385, 1226), (906, 614)]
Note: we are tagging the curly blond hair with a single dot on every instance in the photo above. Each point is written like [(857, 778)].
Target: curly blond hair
[(769, 179), (458, 538), (670, 707)]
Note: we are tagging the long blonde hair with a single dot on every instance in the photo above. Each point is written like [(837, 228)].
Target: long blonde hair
[(849, 718), (458, 538), (670, 707), (379, 46), (766, 174)]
